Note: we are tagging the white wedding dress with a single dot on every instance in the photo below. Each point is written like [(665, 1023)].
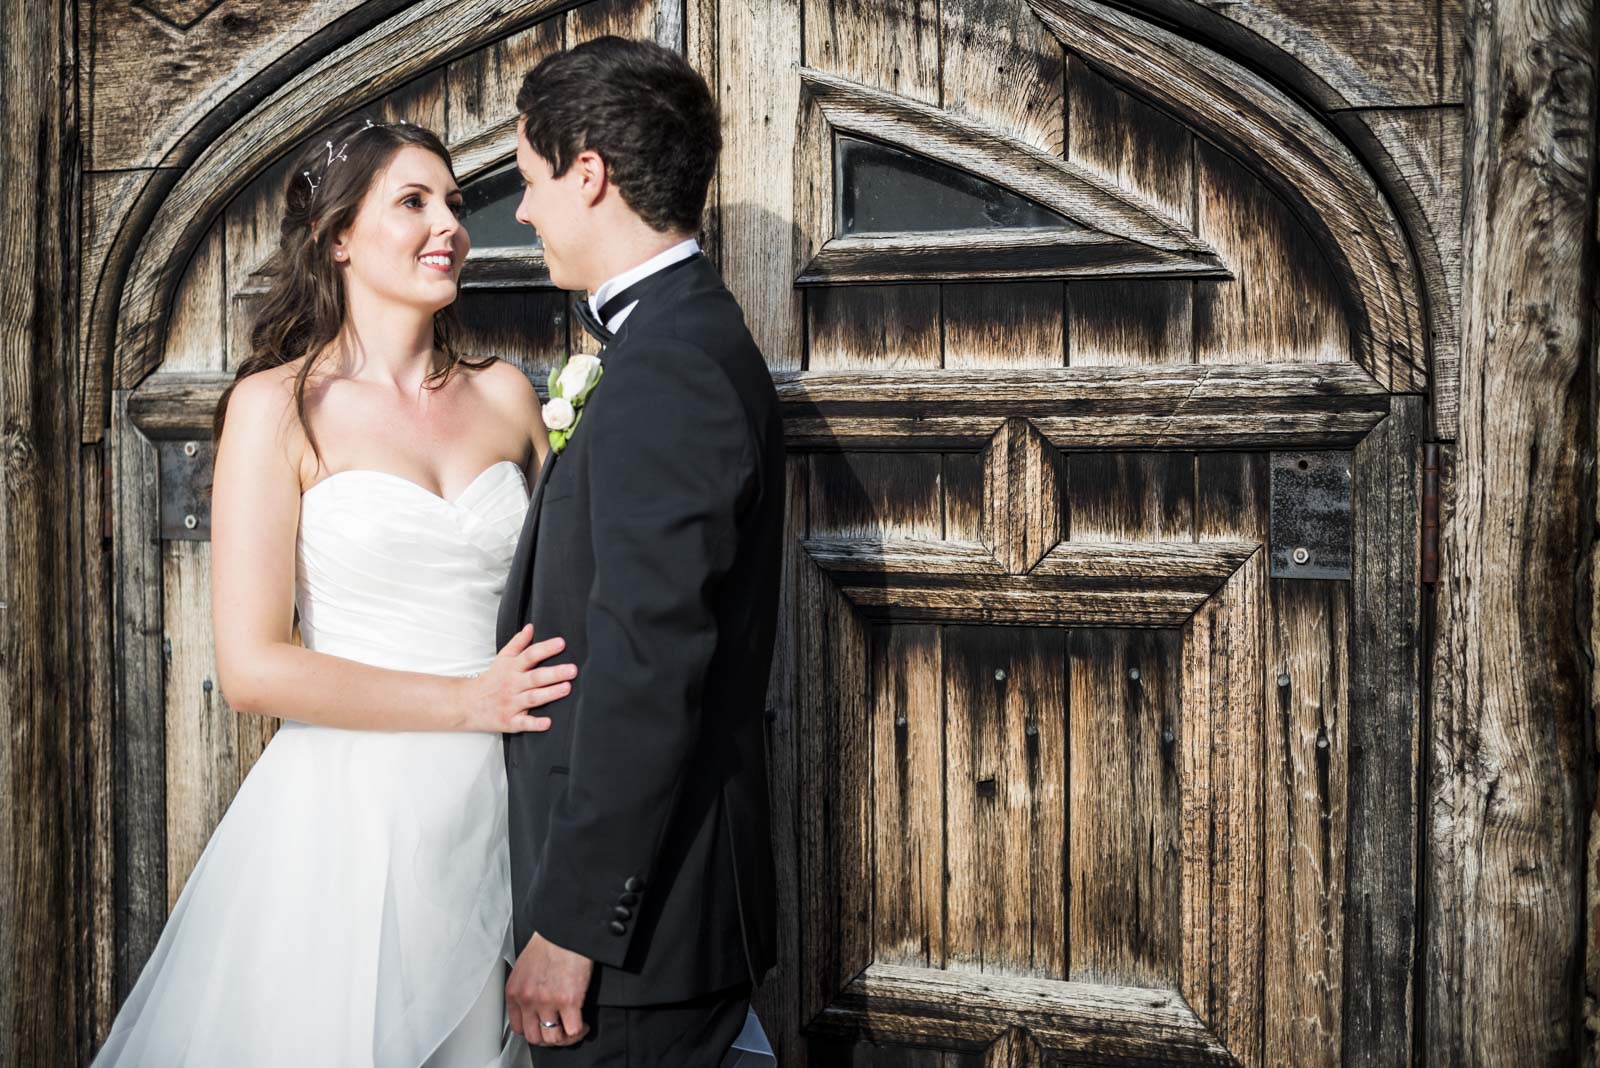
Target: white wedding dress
[(353, 907)]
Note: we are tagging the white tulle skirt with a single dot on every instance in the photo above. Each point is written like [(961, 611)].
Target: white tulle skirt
[(352, 909)]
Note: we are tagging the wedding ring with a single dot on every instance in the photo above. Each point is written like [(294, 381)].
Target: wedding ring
[(549, 1023)]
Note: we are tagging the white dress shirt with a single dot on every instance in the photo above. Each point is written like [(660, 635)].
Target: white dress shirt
[(681, 251)]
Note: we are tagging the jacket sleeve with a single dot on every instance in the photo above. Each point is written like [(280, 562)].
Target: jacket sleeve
[(670, 453)]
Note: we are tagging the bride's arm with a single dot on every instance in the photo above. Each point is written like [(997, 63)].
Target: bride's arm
[(255, 516)]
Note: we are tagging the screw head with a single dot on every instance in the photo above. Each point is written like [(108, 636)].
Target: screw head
[(999, 674), (1302, 554), (191, 448), (1283, 680), (1133, 673), (190, 521)]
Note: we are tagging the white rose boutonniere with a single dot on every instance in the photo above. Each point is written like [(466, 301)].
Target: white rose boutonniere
[(570, 386)]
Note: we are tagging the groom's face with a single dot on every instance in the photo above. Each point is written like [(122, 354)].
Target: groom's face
[(557, 210)]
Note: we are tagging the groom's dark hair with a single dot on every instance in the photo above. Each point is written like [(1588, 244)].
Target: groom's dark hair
[(643, 109)]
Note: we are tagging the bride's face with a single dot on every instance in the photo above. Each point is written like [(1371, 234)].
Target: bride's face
[(406, 245)]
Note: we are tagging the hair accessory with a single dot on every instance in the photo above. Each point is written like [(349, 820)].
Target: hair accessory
[(334, 157)]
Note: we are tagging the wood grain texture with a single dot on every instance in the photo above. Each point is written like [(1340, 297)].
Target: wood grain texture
[(874, 496), (1304, 772), (1075, 584), (835, 798), (1022, 499), (1406, 54), (1061, 185), (1506, 798), (777, 1000), (368, 68), (136, 120), (1110, 407), (42, 778), (527, 328), (1284, 301), (660, 21), (140, 776), (1073, 1023), (1306, 163), (1118, 323), (1417, 156), (1132, 497), (1006, 801), (197, 332), (908, 826), (891, 44), (1385, 705), (876, 327), (97, 936), (1126, 702), (202, 759), (758, 88), (1000, 66), (481, 87), (1018, 324), (250, 234), (1131, 143)]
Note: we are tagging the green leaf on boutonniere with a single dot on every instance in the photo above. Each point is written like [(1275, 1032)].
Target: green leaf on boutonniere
[(570, 387)]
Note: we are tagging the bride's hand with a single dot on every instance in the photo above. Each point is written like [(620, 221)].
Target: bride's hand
[(499, 699)]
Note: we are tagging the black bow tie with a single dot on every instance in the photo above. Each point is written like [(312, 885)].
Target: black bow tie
[(595, 322)]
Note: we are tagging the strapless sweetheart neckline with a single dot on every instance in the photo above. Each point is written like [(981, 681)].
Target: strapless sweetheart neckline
[(419, 487)]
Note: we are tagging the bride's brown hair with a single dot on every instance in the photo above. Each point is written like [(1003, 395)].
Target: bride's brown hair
[(304, 308)]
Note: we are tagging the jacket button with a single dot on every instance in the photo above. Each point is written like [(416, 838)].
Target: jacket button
[(622, 912), (633, 885), (629, 899), (617, 927)]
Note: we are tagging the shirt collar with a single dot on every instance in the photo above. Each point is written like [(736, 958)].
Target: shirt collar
[(681, 251)]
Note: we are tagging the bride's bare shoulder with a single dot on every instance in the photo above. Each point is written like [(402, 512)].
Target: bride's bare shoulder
[(505, 386)]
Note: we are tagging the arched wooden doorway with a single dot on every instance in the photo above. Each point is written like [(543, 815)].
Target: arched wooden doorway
[(1083, 750)]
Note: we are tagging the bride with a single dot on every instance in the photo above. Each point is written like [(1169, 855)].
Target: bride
[(353, 906)]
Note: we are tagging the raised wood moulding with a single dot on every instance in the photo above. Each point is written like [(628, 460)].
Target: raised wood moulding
[(1289, 148), (1201, 406), (1103, 584), (1076, 1022), (1125, 236)]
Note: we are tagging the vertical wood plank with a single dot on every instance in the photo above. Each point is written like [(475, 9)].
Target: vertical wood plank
[(1224, 650), (758, 84), (1022, 502), (908, 795), (250, 234), (1147, 151), (1283, 303), (196, 333), (1308, 686), (98, 938), (1000, 66), (526, 327), (660, 21), (1131, 496), (141, 803), (201, 737), (892, 45), (1385, 701), (1004, 324), (875, 495), (1126, 833), (481, 88), (1005, 798), (777, 1001), (835, 809), (881, 327), (964, 481), (700, 46)]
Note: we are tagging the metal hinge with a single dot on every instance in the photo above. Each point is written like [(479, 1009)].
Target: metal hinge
[(1430, 513)]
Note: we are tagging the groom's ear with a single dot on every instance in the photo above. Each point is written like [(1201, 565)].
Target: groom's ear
[(593, 178)]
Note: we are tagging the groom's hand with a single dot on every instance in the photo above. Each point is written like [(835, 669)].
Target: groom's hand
[(548, 985)]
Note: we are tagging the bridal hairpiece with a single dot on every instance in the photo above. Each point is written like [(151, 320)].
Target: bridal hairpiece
[(334, 157)]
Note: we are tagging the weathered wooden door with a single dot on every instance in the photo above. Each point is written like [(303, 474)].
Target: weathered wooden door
[(1094, 715), (1092, 724)]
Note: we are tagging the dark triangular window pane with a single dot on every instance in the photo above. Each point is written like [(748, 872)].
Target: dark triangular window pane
[(489, 210), (886, 190)]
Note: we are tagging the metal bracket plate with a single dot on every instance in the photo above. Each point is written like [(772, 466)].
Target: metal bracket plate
[(1312, 529), (185, 468)]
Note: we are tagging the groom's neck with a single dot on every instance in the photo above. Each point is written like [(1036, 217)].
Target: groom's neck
[(626, 246)]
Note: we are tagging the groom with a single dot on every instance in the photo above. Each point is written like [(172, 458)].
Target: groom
[(641, 865)]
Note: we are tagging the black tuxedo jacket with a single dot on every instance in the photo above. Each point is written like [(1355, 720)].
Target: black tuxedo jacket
[(639, 824)]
